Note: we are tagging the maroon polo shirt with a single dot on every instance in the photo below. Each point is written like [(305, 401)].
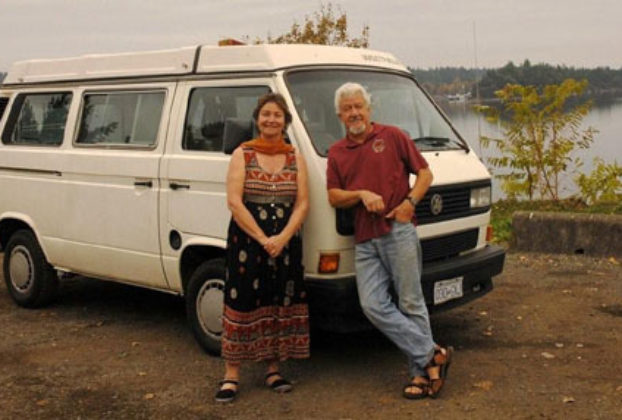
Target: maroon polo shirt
[(381, 164)]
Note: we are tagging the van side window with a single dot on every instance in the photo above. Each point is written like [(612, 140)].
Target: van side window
[(37, 119), (120, 118), (3, 103), (209, 108)]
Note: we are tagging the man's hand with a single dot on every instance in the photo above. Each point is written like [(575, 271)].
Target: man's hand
[(372, 202), (403, 213)]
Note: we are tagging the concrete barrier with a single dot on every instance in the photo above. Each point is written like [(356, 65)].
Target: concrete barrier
[(568, 233)]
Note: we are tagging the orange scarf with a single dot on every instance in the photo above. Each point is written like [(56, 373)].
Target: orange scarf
[(269, 147)]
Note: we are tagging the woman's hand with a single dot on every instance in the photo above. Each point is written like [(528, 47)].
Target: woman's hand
[(275, 244)]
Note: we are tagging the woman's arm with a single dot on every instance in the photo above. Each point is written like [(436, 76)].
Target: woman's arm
[(235, 191)]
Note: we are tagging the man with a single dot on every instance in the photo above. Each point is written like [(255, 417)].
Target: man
[(369, 169)]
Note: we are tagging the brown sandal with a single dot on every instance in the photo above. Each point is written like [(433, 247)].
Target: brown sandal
[(441, 359), (422, 386)]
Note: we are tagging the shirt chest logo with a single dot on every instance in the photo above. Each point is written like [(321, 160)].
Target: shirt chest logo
[(378, 145)]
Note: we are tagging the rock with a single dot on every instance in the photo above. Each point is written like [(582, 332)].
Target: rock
[(485, 385)]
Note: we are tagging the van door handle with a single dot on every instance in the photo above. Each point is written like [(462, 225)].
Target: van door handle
[(147, 184), (176, 186)]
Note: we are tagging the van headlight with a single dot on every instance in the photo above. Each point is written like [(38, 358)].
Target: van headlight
[(480, 197)]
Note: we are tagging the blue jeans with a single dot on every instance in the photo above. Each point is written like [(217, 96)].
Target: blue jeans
[(395, 260)]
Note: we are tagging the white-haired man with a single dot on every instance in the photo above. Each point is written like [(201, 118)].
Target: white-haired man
[(369, 169)]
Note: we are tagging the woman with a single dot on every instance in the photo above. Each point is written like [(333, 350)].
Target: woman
[(266, 315)]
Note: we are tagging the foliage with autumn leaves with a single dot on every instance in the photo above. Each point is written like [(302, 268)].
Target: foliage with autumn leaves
[(328, 26)]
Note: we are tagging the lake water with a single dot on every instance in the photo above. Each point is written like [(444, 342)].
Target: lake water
[(605, 117)]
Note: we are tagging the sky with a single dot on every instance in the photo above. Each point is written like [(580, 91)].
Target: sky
[(421, 33)]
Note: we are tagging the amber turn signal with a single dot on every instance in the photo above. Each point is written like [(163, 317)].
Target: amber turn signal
[(329, 263), (489, 233)]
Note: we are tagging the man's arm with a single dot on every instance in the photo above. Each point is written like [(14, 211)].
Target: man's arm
[(422, 183), (343, 198), (405, 210)]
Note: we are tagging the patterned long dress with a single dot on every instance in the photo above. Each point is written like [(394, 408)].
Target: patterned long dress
[(266, 315)]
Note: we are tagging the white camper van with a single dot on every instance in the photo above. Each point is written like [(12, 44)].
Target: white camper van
[(113, 166)]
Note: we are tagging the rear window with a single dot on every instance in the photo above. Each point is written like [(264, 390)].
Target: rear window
[(38, 119), (121, 118)]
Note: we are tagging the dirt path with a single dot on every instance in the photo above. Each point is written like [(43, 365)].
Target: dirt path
[(544, 344)]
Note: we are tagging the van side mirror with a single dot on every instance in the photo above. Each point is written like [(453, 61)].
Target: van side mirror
[(237, 131)]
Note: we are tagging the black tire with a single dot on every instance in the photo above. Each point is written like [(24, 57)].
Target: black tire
[(204, 304), (31, 280)]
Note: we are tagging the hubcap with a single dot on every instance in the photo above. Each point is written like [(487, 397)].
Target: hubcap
[(21, 269), (209, 306)]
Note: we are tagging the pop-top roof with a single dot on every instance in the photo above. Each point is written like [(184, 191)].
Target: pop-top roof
[(194, 60)]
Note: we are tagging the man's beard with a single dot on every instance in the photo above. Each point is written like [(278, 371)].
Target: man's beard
[(356, 130)]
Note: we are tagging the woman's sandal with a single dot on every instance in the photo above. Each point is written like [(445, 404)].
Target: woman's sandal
[(421, 386), (226, 394), (442, 360), (280, 384)]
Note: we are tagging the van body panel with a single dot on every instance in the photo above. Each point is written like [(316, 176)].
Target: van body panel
[(198, 206), (150, 213), (97, 66), (205, 177), (112, 193), (107, 196), (273, 57), (455, 166), (106, 262)]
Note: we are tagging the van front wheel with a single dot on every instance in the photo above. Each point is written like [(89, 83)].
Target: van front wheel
[(204, 304), (31, 281)]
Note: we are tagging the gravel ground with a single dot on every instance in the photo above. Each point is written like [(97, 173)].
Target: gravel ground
[(545, 343)]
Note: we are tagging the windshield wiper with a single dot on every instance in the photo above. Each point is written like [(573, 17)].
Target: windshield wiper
[(433, 141)]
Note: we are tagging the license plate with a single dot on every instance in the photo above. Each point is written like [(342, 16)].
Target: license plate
[(445, 290)]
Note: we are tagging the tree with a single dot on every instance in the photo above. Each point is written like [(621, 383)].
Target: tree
[(601, 80), (604, 184), (323, 27), (541, 131)]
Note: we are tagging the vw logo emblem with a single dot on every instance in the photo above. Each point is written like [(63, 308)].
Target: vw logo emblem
[(436, 204)]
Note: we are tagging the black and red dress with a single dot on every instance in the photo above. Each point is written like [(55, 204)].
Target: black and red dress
[(266, 315)]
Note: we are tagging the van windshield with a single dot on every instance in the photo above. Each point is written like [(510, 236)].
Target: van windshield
[(396, 100)]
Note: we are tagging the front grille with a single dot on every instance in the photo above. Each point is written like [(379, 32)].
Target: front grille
[(455, 203), (449, 245), (3, 104)]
